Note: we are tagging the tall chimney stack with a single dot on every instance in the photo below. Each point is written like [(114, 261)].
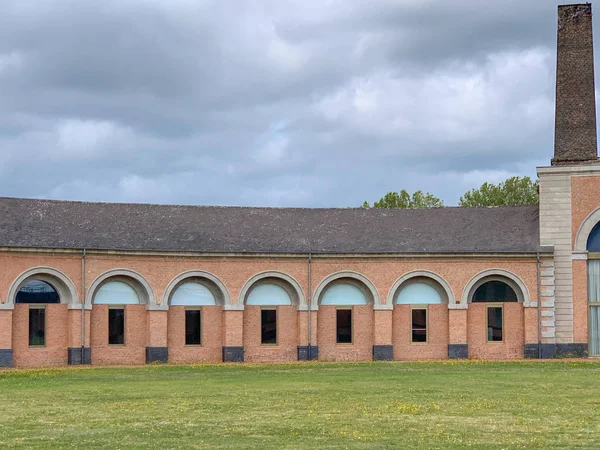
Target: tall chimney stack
[(575, 140)]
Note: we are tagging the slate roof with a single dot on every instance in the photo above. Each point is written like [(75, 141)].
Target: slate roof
[(144, 227)]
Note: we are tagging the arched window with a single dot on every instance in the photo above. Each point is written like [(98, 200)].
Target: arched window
[(36, 291), (494, 291), (344, 294), (116, 293), (419, 293), (266, 294), (593, 242), (193, 293)]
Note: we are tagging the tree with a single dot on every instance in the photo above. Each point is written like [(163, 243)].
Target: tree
[(404, 200), (513, 191)]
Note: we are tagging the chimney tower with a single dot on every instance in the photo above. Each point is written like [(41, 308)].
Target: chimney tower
[(575, 140)]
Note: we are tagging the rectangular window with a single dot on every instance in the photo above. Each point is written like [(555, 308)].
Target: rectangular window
[(419, 325), (344, 326), (494, 324), (268, 326), (37, 326), (116, 326), (193, 330)]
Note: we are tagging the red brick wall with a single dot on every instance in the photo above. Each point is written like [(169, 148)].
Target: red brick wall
[(514, 337), (134, 350), (57, 337), (437, 334), (212, 336), (286, 349), (6, 328), (361, 348)]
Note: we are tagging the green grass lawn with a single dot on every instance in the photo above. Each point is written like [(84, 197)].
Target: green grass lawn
[(311, 405)]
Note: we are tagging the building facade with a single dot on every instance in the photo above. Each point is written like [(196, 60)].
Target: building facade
[(102, 283)]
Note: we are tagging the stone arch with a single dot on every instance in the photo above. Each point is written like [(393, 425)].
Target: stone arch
[(55, 278), (505, 276), (358, 279), (586, 227), (212, 282), (130, 277), (287, 282), (425, 274)]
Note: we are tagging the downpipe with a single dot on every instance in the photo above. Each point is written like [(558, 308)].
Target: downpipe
[(83, 306)]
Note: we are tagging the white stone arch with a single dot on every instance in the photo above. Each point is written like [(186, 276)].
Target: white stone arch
[(137, 282), (59, 281), (362, 280), (505, 276), (287, 282), (215, 285), (421, 274), (585, 229)]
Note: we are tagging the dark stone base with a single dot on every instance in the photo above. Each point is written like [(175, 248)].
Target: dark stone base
[(233, 354), (6, 357), (157, 354), (383, 352), (532, 351), (571, 350), (74, 354), (305, 355), (458, 351)]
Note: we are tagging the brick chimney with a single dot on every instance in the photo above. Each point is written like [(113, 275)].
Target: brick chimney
[(575, 140)]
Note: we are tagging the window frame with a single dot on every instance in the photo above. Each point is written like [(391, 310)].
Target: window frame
[(192, 308), (412, 329), (270, 308), (344, 308), (123, 307), (489, 306), (36, 306)]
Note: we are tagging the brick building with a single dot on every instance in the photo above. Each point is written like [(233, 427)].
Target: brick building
[(132, 283)]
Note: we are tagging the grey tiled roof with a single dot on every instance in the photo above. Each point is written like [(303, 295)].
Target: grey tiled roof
[(145, 227)]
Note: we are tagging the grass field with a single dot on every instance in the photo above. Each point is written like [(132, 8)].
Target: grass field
[(370, 405)]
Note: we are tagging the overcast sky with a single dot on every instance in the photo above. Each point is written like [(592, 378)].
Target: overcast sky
[(272, 103)]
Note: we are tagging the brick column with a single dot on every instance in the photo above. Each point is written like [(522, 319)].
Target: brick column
[(233, 333), (304, 353), (383, 349), (156, 334), (457, 331), (78, 353), (6, 352)]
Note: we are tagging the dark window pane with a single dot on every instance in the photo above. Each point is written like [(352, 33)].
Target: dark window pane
[(116, 326), (494, 291), (192, 327), (419, 325), (37, 326), (494, 320), (36, 291), (344, 326), (268, 326)]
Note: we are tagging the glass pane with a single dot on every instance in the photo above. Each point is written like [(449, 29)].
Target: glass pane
[(594, 330), (268, 326), (494, 321), (192, 327), (268, 294), (418, 293), (193, 293), (344, 326), (494, 291), (594, 280), (343, 294), (419, 319), (36, 291), (37, 326), (593, 243), (116, 326), (419, 335), (116, 293)]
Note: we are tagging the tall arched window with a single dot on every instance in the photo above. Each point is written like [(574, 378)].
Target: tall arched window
[(593, 248), (495, 292), (116, 294), (37, 293), (193, 295), (344, 295), (269, 296)]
